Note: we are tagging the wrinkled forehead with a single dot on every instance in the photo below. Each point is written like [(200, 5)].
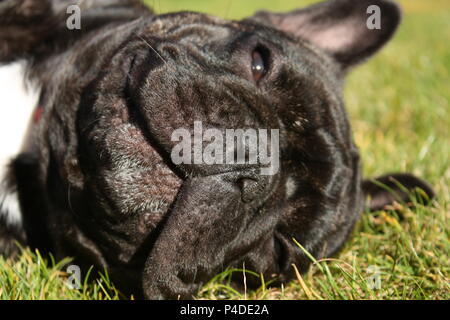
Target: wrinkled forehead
[(215, 35), (191, 28), (198, 66)]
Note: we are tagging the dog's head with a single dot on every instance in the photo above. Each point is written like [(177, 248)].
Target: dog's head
[(105, 183)]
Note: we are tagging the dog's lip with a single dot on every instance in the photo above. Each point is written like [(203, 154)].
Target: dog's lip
[(216, 170), (184, 253)]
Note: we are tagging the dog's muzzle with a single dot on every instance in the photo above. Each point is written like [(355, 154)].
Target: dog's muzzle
[(204, 230)]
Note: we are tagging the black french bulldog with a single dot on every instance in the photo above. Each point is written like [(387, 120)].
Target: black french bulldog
[(97, 154)]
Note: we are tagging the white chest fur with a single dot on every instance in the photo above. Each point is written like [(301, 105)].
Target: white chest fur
[(17, 102)]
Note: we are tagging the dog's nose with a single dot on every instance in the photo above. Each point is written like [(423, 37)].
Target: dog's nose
[(252, 186), (250, 189)]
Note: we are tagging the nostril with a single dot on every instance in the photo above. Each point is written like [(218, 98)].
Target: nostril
[(250, 189)]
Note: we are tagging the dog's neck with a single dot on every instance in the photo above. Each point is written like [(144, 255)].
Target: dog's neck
[(19, 99)]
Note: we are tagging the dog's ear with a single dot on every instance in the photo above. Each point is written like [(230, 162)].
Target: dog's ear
[(33, 28), (346, 29), (402, 188)]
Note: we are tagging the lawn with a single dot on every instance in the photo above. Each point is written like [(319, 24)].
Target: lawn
[(399, 108)]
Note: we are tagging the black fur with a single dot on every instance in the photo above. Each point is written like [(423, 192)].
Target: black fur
[(114, 92), (402, 188)]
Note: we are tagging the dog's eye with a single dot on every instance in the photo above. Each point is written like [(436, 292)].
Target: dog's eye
[(260, 63)]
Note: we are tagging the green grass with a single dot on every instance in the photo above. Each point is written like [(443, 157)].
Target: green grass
[(399, 108), (33, 278)]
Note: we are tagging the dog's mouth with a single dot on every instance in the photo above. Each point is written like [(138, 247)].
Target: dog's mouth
[(204, 230)]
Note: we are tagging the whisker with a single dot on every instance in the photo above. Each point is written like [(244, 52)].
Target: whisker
[(152, 49)]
